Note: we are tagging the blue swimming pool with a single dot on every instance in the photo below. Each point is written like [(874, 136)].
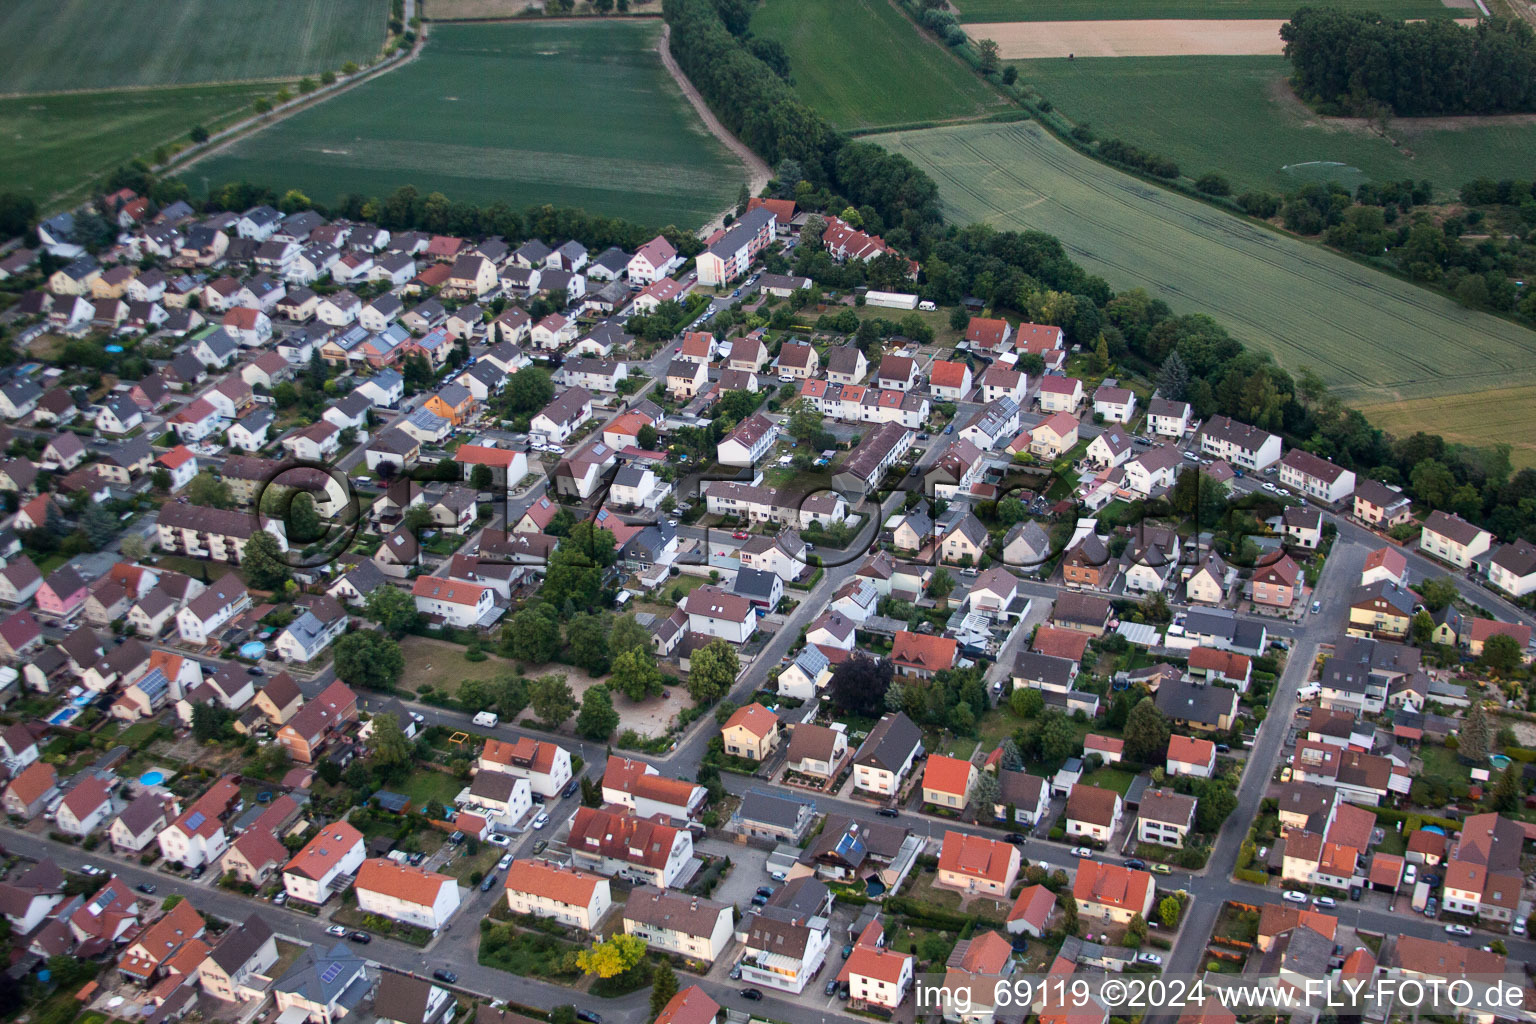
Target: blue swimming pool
[(253, 649), (152, 777), (64, 716)]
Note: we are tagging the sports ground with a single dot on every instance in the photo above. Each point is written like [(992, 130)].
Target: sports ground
[(485, 114)]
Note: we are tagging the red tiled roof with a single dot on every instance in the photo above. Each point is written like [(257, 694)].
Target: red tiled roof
[(976, 856), (945, 774), (403, 882), (919, 650), (1111, 885)]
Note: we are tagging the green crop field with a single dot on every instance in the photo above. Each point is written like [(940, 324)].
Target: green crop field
[(56, 145), (577, 113), (1238, 116), (106, 44), (1374, 338), (1111, 10), (862, 64)]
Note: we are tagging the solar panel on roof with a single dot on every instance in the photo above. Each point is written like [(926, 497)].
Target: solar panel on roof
[(196, 819), (331, 973)]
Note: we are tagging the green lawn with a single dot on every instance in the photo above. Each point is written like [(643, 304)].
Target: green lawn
[(1111, 778), (572, 113), (1237, 116), (443, 666), (1101, 10), (862, 64), (1441, 763), (100, 44), (1369, 335), (57, 145), (426, 785)]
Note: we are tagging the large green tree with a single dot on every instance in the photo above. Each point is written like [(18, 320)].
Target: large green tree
[(1146, 733), (598, 718), (533, 634), (393, 609), (263, 562), (712, 670), (551, 699), (587, 637), (635, 674), (368, 659), (391, 747)]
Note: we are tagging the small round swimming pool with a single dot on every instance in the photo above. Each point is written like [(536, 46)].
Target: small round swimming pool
[(253, 649), (114, 348), (152, 778), (1499, 761)]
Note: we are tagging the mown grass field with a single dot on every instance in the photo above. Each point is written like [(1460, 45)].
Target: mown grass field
[(1237, 115), (1374, 338), (56, 145), (572, 113), (103, 44), (861, 64), (1507, 415), (1109, 10)]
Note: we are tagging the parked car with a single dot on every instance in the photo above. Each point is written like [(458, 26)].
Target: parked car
[(487, 882), (338, 930), (1149, 958), (540, 846), (497, 839), (448, 976), (1324, 901), (831, 988), (361, 938), (589, 1016), (848, 951), (736, 971), (147, 888), (92, 870), (1136, 864), (759, 900), (504, 863), (887, 812), (570, 789), (541, 820), (1457, 929), (1083, 852), (753, 994), (280, 898), (765, 891), (1411, 874), (1292, 896)]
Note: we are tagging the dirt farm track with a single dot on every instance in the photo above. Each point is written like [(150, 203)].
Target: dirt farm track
[(1031, 40)]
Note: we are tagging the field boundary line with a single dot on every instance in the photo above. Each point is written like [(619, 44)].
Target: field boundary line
[(158, 87), (189, 158), (757, 168)]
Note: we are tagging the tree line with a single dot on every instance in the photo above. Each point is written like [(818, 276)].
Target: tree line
[(1363, 64)]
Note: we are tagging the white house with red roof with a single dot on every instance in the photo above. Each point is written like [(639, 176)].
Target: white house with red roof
[(181, 464), (1032, 911), (574, 898), (876, 975), (456, 602), (1110, 892), (714, 612), (654, 260), (410, 895), (335, 853), (1189, 755), (197, 836), (84, 809), (1060, 394), (977, 865), (644, 790), (546, 765)]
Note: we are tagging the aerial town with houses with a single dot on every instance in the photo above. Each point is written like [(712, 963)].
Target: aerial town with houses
[(419, 626)]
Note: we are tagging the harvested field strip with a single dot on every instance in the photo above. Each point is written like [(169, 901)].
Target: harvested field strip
[(1092, 10), (1029, 40), (1371, 336), (1484, 417), (103, 44)]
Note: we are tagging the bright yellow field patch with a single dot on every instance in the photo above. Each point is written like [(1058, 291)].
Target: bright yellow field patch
[(1504, 416), (1030, 40)]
